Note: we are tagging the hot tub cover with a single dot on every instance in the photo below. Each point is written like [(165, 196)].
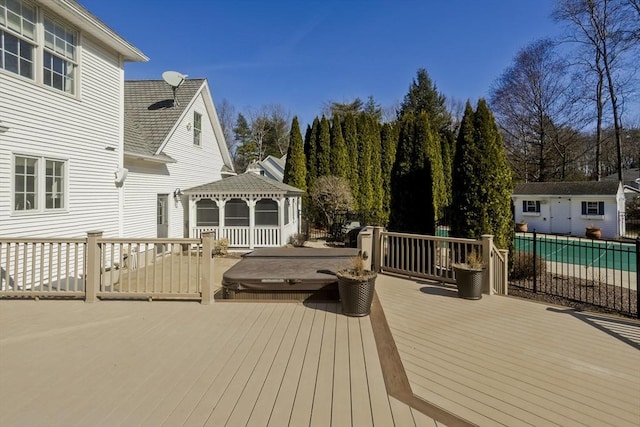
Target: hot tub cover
[(288, 269)]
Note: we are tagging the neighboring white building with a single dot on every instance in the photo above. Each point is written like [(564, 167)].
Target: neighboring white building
[(571, 207), (168, 148), (271, 167), (61, 120)]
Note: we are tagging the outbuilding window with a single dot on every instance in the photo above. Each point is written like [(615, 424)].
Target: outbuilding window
[(592, 208), (266, 212), (207, 213), (236, 213), (531, 206), (197, 129)]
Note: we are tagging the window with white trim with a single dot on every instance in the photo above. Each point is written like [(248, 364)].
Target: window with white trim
[(17, 37), (49, 57), (593, 208), (39, 183), (197, 128), (59, 56), (531, 206)]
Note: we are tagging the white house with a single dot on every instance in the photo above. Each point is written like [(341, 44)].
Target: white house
[(271, 167), (61, 120), (168, 147), (571, 207)]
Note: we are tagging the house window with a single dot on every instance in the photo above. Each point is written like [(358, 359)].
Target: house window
[(59, 57), (207, 213), (531, 206), (19, 42), (592, 208), (236, 213), (17, 37), (31, 191), (197, 128), (287, 208), (267, 212)]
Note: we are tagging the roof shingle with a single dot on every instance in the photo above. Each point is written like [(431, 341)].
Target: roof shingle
[(149, 113), (246, 183), (567, 188)]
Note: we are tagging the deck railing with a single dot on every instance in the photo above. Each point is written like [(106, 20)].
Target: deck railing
[(244, 237), (95, 267), (433, 257)]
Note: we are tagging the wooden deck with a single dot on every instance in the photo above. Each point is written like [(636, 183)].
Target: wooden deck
[(497, 361), (505, 361)]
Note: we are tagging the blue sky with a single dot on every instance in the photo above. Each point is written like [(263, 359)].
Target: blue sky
[(302, 54)]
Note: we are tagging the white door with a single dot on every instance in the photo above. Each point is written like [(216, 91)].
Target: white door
[(560, 215)]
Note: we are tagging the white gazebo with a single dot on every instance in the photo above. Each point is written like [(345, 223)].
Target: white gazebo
[(249, 210)]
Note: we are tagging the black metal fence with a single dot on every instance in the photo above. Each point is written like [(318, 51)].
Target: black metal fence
[(577, 272), (631, 221)]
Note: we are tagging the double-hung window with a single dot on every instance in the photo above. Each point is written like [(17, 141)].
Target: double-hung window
[(39, 184), (531, 206), (592, 208), (59, 56), (197, 128), (37, 47), (17, 37)]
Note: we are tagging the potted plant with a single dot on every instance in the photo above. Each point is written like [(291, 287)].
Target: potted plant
[(593, 232), (469, 276), (356, 286), (521, 226)]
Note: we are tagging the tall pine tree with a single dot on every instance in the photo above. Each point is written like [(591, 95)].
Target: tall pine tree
[(295, 170), (350, 133), (339, 157), (311, 150), (323, 147)]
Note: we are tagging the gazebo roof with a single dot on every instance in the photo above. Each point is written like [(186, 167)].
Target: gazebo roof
[(246, 183)]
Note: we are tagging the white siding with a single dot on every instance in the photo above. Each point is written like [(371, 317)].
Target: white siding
[(46, 122), (195, 165)]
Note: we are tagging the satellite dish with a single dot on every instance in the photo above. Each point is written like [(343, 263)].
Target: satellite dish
[(174, 79)]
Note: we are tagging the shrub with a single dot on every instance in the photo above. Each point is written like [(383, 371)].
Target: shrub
[(297, 240), (523, 266), (221, 247)]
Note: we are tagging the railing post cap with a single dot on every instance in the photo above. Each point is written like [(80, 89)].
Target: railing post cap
[(487, 236), (93, 233)]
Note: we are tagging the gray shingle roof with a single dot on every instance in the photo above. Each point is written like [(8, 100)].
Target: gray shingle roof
[(567, 188), (246, 183), (149, 113)]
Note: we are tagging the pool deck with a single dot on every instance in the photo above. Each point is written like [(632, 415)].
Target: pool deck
[(423, 355)]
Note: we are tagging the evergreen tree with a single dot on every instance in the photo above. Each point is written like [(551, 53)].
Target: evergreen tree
[(481, 180), (447, 143), (365, 190), (339, 156), (311, 150), (495, 178), (377, 192), (417, 179), (350, 133), (323, 148), (389, 140), (295, 170), (373, 109), (423, 95)]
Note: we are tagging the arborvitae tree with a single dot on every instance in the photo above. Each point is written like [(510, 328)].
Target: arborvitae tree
[(295, 170), (389, 141), (350, 133), (311, 150), (433, 163), (481, 180), (447, 143), (466, 219), (365, 190), (495, 177), (377, 212), (323, 147), (339, 157)]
